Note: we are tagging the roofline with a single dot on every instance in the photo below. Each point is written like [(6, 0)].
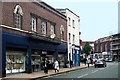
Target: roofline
[(68, 10), (42, 3), (116, 34), (72, 12)]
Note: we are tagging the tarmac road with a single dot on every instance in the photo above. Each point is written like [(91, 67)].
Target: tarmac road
[(111, 71)]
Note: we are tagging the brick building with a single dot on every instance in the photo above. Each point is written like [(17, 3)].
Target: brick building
[(103, 46), (115, 46), (31, 32)]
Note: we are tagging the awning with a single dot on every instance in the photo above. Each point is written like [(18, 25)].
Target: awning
[(62, 47)]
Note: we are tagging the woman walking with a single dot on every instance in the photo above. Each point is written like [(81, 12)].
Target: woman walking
[(56, 66)]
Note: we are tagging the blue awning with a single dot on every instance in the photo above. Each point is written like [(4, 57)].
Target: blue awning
[(62, 47)]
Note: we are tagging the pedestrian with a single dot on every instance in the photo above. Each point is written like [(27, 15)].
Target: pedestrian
[(56, 66), (46, 67), (91, 60), (71, 63), (88, 62), (85, 60)]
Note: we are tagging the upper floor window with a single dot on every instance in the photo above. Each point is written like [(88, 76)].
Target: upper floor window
[(69, 38), (69, 20), (18, 17), (73, 23), (52, 28), (73, 38), (43, 26), (62, 32), (33, 23)]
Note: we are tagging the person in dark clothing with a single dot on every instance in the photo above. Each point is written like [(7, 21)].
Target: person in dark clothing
[(91, 61), (85, 60), (71, 63), (46, 67)]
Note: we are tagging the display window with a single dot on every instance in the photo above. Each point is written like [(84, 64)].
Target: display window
[(15, 63), (36, 60)]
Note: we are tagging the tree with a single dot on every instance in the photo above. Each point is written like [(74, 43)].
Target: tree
[(87, 48)]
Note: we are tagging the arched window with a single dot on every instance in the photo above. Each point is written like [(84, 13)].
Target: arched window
[(18, 17)]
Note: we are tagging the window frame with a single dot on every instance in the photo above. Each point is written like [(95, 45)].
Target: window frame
[(33, 17), (52, 25), (18, 17), (45, 30), (69, 21)]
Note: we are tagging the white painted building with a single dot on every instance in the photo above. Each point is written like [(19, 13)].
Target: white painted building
[(73, 38)]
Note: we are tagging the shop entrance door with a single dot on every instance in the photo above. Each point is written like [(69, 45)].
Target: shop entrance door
[(36, 60)]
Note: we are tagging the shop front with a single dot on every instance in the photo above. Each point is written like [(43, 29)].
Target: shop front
[(62, 54), (25, 54), (76, 55), (14, 54)]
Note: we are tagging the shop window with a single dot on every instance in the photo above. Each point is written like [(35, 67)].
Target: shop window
[(36, 60), (18, 17), (15, 63)]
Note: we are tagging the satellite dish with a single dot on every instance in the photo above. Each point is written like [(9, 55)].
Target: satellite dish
[(52, 36)]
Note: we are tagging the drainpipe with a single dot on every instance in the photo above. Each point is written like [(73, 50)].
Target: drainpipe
[(0, 52)]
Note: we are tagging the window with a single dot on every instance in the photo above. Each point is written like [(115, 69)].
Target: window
[(69, 21), (73, 38), (18, 17), (33, 23), (62, 32), (43, 27), (52, 29), (62, 35), (73, 23), (69, 38)]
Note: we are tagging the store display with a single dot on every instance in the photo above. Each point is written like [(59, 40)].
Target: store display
[(15, 63)]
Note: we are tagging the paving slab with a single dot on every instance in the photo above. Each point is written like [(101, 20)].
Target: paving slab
[(41, 74)]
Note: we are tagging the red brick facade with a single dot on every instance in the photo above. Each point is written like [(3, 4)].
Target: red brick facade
[(40, 10)]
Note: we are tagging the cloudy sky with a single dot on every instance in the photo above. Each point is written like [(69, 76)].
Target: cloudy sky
[(98, 18)]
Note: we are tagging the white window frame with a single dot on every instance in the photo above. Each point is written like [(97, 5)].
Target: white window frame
[(18, 16), (44, 27), (52, 29), (33, 23), (73, 23), (73, 38), (69, 37), (69, 21)]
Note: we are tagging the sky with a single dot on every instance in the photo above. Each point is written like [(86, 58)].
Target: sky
[(98, 18)]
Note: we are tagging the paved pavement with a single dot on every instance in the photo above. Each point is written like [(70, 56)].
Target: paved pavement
[(41, 74)]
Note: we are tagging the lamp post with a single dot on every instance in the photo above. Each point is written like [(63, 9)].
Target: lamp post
[(118, 55)]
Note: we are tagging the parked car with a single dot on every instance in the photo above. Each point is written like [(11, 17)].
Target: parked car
[(100, 63), (108, 59)]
